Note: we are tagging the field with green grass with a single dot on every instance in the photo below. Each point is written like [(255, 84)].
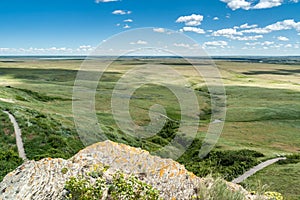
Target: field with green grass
[(263, 116)]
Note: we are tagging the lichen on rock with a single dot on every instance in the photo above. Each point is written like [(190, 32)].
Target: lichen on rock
[(46, 179)]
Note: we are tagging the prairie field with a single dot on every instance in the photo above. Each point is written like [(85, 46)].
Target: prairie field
[(262, 121)]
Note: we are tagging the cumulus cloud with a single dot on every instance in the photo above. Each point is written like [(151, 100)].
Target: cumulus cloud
[(126, 26), (282, 38), (234, 34), (262, 4), (140, 42), (246, 38), (237, 4), (216, 43), (288, 46), (105, 1), (268, 4), (121, 12), (252, 43), (227, 32), (128, 20), (191, 20), (240, 32), (192, 29), (278, 26), (159, 30), (216, 18), (181, 45), (267, 43), (83, 49), (247, 26)]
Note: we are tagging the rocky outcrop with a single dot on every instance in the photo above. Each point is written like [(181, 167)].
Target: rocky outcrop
[(45, 179)]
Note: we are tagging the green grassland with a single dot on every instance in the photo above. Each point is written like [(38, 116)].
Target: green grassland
[(262, 115)]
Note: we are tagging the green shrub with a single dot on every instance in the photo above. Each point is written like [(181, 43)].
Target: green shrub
[(93, 186), (217, 189), (229, 164), (43, 136), (131, 188), (9, 161), (9, 158), (290, 159)]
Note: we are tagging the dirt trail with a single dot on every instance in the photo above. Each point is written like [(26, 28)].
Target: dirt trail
[(256, 169), (18, 136)]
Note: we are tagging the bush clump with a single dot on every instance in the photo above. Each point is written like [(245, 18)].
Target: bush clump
[(216, 189), (94, 186), (290, 159), (228, 164)]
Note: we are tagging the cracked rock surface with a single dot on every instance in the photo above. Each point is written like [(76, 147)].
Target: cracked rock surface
[(45, 179)]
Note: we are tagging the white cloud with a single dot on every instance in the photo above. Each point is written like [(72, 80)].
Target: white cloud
[(278, 26), (140, 42), (267, 43), (227, 32), (128, 20), (252, 43), (241, 32), (121, 12), (216, 18), (267, 4), (105, 1), (237, 4), (5, 49), (250, 4), (159, 30), (288, 46), (83, 49), (192, 29), (233, 34), (246, 26), (246, 38), (282, 38), (191, 20), (181, 45), (216, 43), (126, 26)]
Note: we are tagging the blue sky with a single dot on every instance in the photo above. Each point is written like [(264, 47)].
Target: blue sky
[(221, 27)]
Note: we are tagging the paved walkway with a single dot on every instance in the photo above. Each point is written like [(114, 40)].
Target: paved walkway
[(256, 169), (18, 136)]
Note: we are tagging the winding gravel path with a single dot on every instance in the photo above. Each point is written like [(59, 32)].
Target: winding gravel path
[(256, 169), (18, 136)]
